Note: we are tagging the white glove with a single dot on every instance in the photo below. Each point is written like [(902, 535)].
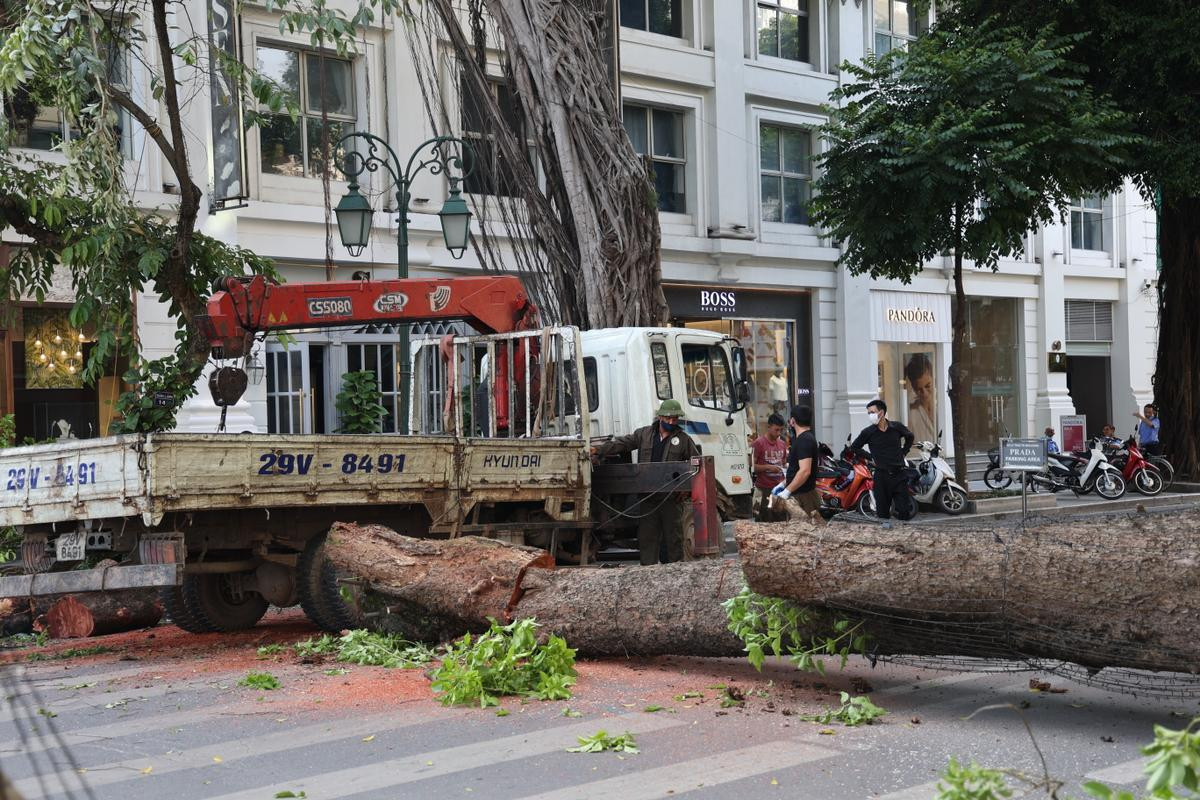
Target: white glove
[(781, 492)]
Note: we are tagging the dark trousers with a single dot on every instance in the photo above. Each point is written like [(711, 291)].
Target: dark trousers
[(891, 490), (660, 532), (1152, 448)]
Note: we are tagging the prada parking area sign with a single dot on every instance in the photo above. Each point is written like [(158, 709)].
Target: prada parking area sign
[(1023, 455)]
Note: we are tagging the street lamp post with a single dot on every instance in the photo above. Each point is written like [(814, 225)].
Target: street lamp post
[(354, 213)]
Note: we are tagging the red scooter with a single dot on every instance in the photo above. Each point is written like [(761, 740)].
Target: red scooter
[(844, 483), (1135, 469)]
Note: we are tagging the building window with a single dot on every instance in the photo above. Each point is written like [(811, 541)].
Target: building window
[(317, 83), (657, 133), (39, 125), (655, 16), (381, 360), (783, 29), (785, 156), (897, 23), (1087, 223), (1089, 321), (486, 168)]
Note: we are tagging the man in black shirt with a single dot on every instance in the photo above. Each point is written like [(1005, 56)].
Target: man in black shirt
[(800, 480), (889, 442)]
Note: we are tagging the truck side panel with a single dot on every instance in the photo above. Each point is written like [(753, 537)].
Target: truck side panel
[(72, 479)]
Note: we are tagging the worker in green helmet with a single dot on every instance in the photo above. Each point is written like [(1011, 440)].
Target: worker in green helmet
[(660, 514)]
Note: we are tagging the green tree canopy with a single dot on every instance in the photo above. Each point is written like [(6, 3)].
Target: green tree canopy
[(961, 144)]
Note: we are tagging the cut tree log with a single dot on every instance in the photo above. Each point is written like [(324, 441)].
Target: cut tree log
[(99, 613), (18, 613), (665, 609), (1116, 591)]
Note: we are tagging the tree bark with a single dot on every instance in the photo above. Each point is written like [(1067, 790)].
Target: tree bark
[(18, 613), (1119, 592), (1177, 371), (99, 613), (668, 609), (958, 355)]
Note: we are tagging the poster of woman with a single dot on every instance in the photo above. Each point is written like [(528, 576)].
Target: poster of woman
[(922, 397)]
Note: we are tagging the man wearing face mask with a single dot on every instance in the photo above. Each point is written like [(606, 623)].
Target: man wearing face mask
[(660, 514), (889, 442)]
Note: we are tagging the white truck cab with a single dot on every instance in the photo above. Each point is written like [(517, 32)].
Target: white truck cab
[(630, 371)]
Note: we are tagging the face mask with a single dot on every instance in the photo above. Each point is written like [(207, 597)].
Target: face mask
[(669, 427), (871, 415)]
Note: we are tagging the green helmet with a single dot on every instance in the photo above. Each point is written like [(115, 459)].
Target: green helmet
[(670, 408)]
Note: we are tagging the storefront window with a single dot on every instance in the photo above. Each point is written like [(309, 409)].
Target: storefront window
[(992, 407), (908, 381)]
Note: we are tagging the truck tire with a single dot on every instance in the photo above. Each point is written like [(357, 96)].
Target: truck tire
[(317, 588), (214, 602), (180, 613)]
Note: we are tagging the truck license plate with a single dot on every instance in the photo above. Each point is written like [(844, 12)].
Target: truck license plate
[(70, 546)]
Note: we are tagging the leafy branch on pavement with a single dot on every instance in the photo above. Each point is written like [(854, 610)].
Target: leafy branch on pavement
[(1173, 771), (368, 649), (260, 680), (600, 741), (505, 660), (770, 625), (853, 711)]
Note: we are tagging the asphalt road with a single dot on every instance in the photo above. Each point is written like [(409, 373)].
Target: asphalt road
[(176, 725)]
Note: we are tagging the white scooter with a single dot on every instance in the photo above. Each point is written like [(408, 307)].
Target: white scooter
[(1080, 474), (936, 485)]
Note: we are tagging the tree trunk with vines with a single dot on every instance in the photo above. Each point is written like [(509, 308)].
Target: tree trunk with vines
[(1177, 372)]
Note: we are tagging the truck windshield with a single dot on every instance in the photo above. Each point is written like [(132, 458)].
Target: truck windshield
[(707, 377)]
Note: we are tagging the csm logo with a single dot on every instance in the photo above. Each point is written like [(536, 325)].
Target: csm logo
[(391, 302), (712, 300), (439, 298)]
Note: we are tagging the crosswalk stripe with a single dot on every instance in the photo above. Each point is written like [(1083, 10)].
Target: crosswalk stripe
[(1125, 772), (21, 706), (43, 679), (708, 771), (385, 774), (119, 727), (924, 791), (227, 751)]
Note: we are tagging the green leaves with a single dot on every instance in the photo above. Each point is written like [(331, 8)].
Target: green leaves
[(853, 711), (1174, 761), (260, 680), (367, 648), (358, 403), (600, 741), (972, 782), (505, 660), (963, 143), (769, 625)]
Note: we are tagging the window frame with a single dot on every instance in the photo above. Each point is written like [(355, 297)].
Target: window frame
[(680, 162), (919, 21), (302, 100), (678, 14), (712, 384), (782, 173), (1076, 213), (805, 12), (496, 84)]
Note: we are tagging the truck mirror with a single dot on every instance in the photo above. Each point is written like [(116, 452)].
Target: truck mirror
[(743, 391), (739, 366)]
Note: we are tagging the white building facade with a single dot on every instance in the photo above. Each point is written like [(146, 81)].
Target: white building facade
[(725, 98)]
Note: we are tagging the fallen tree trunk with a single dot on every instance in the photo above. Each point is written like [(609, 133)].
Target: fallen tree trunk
[(99, 613), (666, 609), (18, 613), (1120, 591)]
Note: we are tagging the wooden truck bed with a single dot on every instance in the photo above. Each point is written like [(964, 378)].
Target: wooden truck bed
[(149, 476)]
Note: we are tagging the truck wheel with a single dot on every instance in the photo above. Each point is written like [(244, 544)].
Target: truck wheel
[(218, 600), (320, 595), (180, 613)]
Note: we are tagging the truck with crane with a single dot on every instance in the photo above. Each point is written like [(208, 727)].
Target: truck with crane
[(228, 524)]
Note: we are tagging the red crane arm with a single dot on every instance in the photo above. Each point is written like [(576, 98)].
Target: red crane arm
[(242, 306)]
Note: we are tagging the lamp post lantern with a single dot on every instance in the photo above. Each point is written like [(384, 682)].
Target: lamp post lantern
[(354, 213)]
